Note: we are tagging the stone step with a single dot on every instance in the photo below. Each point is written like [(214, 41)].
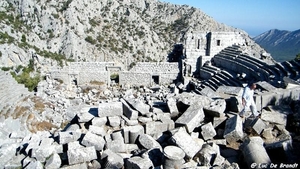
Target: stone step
[(282, 69), (289, 67)]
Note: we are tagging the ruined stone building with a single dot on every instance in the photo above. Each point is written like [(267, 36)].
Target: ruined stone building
[(200, 47), (79, 73)]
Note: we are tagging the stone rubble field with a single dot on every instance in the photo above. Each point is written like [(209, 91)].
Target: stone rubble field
[(158, 127)]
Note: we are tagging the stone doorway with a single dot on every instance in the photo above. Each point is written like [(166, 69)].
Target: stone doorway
[(155, 79)]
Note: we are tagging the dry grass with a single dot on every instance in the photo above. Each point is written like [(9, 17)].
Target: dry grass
[(20, 111), (44, 125), (95, 82), (38, 104)]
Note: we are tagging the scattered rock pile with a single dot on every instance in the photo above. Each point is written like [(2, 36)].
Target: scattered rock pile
[(153, 128)]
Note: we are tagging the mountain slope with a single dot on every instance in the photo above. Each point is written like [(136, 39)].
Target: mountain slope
[(283, 45), (123, 31)]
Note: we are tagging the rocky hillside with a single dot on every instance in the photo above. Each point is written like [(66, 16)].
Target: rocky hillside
[(124, 31), (283, 45)]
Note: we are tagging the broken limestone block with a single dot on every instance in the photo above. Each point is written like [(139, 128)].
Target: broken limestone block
[(139, 106), (111, 159), (266, 86), (117, 146), (35, 165), (216, 108), (116, 143), (53, 161), (186, 142), (206, 155), (192, 117), (148, 142), (131, 133), (258, 125), (41, 153), (81, 155), (172, 107), (208, 131), (74, 145), (254, 152), (100, 131), (138, 163), (99, 121), (84, 115), (174, 157), (273, 117), (218, 121), (128, 122), (114, 121), (76, 166), (156, 128), (128, 111), (66, 137), (110, 109), (72, 127), (233, 129), (231, 90), (91, 139), (268, 134)]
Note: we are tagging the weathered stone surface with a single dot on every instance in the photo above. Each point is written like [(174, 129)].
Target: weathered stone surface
[(114, 121), (172, 107), (273, 117), (66, 137), (81, 155), (97, 130), (139, 106), (138, 163), (99, 121), (91, 139), (148, 142), (84, 115), (41, 153), (216, 108), (131, 133), (233, 129), (254, 151), (128, 111), (156, 128), (258, 125), (192, 117), (208, 131), (53, 162), (231, 90), (186, 143), (110, 109), (74, 145), (35, 164), (174, 157), (206, 155), (112, 160)]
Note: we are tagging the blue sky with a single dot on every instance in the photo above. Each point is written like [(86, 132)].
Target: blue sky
[(253, 16)]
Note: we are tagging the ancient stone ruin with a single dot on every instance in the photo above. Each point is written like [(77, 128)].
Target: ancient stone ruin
[(158, 115)]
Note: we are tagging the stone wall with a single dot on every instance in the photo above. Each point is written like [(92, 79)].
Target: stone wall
[(84, 72), (150, 73), (202, 46)]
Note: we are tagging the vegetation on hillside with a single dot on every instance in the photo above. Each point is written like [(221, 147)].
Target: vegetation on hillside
[(24, 75)]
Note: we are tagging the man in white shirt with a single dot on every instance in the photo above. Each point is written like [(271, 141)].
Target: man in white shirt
[(248, 101)]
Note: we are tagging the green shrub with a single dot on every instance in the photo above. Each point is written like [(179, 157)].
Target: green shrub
[(6, 68), (5, 38), (91, 40), (25, 78), (23, 38)]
